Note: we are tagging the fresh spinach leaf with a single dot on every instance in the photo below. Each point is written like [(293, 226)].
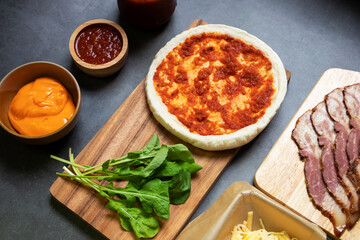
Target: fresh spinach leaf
[(105, 165), (180, 187), (136, 220), (153, 196), (169, 169), (149, 148), (180, 152), (156, 162), (153, 143)]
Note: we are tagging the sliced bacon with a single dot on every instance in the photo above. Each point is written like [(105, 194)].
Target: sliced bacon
[(352, 103), (337, 111), (354, 172), (352, 147), (324, 127), (306, 139)]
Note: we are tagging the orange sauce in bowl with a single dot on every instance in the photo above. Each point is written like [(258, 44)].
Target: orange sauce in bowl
[(41, 107)]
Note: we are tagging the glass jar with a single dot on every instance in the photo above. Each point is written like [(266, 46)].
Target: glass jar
[(147, 13)]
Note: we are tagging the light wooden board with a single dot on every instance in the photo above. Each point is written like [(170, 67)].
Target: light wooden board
[(281, 175)]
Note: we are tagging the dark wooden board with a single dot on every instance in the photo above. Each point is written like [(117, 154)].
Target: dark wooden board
[(129, 129)]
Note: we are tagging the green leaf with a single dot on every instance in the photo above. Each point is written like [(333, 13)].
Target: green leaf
[(122, 173), (180, 187), (105, 165), (136, 220), (180, 152), (135, 175), (156, 162), (160, 204), (110, 186), (153, 143), (153, 196), (149, 148), (131, 198), (142, 156), (169, 169)]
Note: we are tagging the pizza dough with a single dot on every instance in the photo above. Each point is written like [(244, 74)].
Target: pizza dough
[(222, 138)]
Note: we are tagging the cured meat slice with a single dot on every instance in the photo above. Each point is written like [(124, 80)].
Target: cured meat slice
[(337, 111), (352, 103), (306, 139), (324, 127), (354, 172)]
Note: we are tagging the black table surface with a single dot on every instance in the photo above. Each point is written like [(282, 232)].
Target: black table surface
[(309, 36)]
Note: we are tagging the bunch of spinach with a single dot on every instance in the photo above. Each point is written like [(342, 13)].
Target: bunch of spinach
[(157, 175)]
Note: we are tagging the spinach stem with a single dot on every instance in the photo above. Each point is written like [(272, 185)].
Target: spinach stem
[(66, 161)]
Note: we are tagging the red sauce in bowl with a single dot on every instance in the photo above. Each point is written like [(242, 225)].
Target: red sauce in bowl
[(98, 44)]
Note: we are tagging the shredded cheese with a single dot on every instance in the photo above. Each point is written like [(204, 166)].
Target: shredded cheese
[(244, 232)]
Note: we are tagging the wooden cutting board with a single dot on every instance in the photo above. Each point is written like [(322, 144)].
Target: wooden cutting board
[(129, 129), (281, 175)]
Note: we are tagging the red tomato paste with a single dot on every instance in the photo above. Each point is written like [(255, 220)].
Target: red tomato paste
[(98, 44)]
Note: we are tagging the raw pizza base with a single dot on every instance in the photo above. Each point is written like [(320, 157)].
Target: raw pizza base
[(225, 141)]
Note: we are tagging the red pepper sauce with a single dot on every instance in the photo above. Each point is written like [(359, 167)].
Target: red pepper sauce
[(215, 84), (98, 44), (147, 13)]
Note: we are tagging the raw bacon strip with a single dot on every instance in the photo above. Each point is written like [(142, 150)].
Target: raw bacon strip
[(324, 127), (306, 139), (337, 111), (352, 103)]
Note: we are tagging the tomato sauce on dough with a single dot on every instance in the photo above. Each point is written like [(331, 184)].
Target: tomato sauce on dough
[(41, 107), (215, 84), (98, 44)]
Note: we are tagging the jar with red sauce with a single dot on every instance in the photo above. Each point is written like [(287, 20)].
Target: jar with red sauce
[(147, 13)]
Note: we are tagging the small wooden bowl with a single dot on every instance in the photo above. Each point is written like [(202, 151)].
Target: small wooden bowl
[(105, 69), (26, 73)]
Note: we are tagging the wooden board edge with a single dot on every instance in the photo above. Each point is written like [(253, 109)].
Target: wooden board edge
[(197, 22), (288, 75)]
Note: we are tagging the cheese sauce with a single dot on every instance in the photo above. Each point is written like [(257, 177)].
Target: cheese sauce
[(215, 84), (41, 107)]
